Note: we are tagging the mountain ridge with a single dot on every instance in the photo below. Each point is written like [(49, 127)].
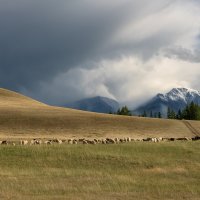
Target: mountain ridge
[(176, 98), (95, 104)]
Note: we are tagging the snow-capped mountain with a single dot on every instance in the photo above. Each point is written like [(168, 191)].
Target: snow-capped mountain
[(96, 104), (176, 99)]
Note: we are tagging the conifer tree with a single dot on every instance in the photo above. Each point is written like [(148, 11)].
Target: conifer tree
[(168, 113), (151, 114), (144, 114), (124, 111)]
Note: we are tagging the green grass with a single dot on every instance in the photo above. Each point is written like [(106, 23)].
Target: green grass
[(125, 171)]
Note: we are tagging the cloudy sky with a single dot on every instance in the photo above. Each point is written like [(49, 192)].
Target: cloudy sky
[(64, 50)]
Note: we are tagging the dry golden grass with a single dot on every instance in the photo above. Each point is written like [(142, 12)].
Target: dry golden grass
[(23, 117), (136, 170)]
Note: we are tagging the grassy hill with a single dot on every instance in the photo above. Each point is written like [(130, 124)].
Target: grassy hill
[(23, 117)]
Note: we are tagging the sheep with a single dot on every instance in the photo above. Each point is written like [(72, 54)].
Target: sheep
[(38, 142), (93, 142), (48, 142), (99, 141), (75, 142), (128, 139), (70, 141), (89, 141), (103, 141), (85, 142), (57, 141), (196, 138), (110, 141), (4, 142), (35, 141), (147, 139), (32, 142), (116, 140), (181, 139), (188, 139), (125, 139), (23, 142), (165, 139), (96, 140), (121, 140), (154, 140)]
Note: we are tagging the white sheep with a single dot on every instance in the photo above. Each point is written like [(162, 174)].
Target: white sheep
[(23, 142)]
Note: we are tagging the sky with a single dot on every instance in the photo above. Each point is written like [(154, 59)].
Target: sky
[(58, 51)]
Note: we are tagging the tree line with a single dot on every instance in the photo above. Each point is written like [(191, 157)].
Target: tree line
[(125, 111), (190, 112)]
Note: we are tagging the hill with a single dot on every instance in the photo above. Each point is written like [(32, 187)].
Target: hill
[(175, 99), (95, 104), (23, 117)]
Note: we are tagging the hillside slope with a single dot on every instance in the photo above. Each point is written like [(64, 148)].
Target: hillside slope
[(22, 117)]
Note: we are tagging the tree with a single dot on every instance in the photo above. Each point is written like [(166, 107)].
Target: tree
[(144, 114), (151, 114), (159, 115), (124, 111), (171, 114), (168, 113), (179, 115), (191, 112)]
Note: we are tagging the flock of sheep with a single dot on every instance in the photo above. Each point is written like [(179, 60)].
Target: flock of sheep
[(94, 141)]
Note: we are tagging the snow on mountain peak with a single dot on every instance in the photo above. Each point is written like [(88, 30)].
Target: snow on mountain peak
[(184, 94), (175, 99)]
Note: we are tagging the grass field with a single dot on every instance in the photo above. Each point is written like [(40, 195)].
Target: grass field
[(135, 170), (22, 117)]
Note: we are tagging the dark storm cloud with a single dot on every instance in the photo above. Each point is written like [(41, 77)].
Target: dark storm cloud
[(42, 38)]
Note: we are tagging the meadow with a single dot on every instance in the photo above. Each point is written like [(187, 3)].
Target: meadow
[(136, 170)]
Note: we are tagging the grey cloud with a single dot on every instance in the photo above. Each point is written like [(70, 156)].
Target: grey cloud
[(42, 40), (183, 54)]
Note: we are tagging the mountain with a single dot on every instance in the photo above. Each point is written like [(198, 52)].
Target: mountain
[(175, 99), (96, 104)]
